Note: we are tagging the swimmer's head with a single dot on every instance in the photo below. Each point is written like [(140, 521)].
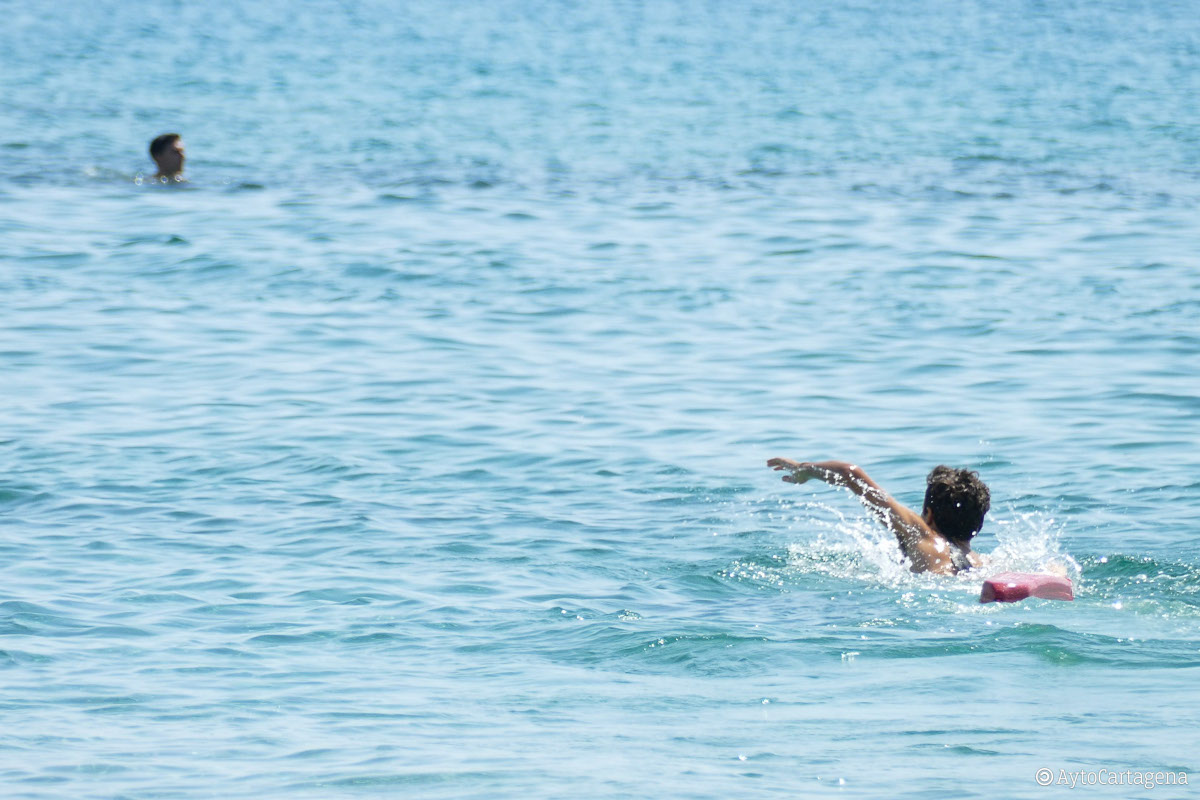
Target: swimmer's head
[(955, 502), (167, 152)]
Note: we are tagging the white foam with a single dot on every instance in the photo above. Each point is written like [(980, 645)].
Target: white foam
[(860, 548)]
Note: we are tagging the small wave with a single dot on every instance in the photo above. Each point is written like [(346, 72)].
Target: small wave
[(11, 658), (1143, 585), (1052, 644)]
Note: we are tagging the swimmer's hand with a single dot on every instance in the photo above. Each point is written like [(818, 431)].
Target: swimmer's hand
[(800, 471)]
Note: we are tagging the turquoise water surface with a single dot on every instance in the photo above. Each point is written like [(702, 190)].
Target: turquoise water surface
[(415, 447)]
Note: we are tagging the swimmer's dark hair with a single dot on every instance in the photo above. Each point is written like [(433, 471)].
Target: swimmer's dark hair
[(958, 500), (162, 143)]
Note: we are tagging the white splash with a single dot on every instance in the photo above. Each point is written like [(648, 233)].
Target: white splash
[(859, 548), (1029, 542)]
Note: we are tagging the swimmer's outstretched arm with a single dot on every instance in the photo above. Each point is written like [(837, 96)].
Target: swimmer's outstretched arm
[(906, 524)]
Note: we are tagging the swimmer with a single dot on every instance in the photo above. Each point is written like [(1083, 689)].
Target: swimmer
[(167, 152), (936, 540)]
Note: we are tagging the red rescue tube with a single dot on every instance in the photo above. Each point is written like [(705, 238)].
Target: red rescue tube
[(1009, 587)]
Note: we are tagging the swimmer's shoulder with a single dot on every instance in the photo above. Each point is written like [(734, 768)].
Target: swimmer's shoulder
[(933, 553)]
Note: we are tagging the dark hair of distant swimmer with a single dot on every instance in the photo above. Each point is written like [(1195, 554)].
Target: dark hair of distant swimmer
[(936, 540), (168, 154), (957, 500)]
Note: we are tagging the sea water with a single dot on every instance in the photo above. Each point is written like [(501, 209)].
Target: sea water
[(415, 446)]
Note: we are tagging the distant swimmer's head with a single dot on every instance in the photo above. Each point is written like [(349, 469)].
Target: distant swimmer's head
[(955, 501), (167, 152)]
